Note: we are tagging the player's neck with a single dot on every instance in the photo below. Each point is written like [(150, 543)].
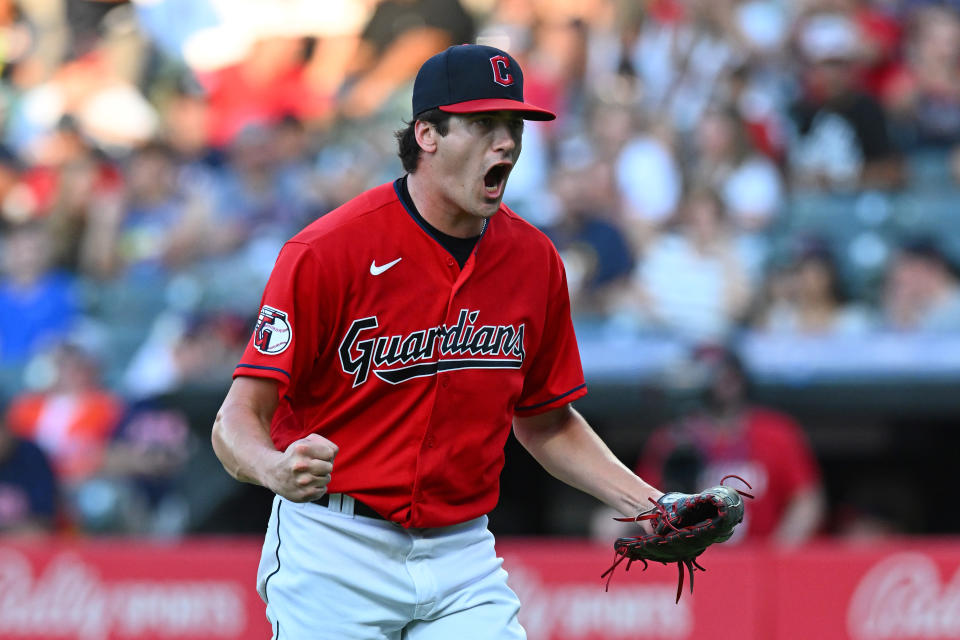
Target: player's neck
[(440, 211)]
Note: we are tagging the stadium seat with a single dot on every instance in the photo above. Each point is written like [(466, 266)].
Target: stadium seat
[(856, 227), (929, 169), (930, 213)]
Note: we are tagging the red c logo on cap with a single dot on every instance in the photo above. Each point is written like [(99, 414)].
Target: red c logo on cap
[(501, 76)]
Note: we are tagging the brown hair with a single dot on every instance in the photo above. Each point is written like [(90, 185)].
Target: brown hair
[(408, 149)]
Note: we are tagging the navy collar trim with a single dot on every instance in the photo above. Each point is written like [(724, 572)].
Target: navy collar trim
[(411, 209)]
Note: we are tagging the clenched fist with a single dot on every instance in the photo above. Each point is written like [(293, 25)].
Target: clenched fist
[(302, 472)]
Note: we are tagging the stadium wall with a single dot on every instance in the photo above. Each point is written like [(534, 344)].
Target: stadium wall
[(906, 589)]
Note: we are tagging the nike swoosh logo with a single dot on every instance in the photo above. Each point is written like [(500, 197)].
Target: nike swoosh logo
[(375, 270)]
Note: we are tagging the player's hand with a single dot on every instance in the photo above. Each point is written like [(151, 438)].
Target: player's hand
[(646, 525), (302, 472)]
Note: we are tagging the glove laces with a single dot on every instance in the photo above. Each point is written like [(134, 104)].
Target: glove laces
[(658, 510)]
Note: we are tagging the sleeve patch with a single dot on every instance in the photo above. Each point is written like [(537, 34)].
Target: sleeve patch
[(273, 333)]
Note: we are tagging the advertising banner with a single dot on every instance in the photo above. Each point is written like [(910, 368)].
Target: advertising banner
[(884, 593), (828, 591), (204, 588), (563, 596), (122, 589)]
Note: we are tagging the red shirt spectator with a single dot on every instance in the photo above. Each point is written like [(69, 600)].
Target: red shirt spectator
[(767, 448), (726, 435), (267, 85)]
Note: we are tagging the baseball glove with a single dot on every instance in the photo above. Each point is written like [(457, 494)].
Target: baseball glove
[(684, 525)]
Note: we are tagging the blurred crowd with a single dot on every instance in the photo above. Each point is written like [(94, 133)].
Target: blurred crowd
[(782, 167)]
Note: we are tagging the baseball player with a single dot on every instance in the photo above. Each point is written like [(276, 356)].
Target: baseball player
[(399, 339)]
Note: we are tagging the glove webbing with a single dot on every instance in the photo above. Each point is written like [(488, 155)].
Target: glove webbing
[(658, 510)]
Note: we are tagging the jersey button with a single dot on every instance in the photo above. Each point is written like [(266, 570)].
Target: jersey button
[(444, 383), (450, 262)]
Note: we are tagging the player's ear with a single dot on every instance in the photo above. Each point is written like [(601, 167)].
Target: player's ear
[(426, 135)]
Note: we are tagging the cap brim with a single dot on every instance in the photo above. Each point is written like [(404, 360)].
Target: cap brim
[(528, 111)]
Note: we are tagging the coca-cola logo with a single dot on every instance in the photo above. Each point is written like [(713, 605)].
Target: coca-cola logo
[(902, 597), (587, 611), (69, 599)]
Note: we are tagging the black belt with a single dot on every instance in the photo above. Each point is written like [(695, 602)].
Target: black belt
[(359, 509)]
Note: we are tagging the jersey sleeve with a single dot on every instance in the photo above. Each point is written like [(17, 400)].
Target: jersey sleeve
[(286, 336), (555, 376)]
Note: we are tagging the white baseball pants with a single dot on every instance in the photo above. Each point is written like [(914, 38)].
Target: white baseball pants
[(327, 574)]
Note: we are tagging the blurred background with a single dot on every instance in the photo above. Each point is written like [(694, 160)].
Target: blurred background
[(756, 202)]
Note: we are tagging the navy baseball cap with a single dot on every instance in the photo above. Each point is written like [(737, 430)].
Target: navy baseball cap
[(473, 78)]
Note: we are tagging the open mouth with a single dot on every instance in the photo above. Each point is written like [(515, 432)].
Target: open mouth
[(496, 179)]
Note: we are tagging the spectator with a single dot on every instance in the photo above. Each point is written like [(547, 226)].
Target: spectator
[(691, 280), (682, 56), (186, 351), (611, 124), (69, 185), (137, 489), (924, 97), (186, 132), (723, 157), (529, 186), (267, 84), (649, 177), (259, 198), (295, 158), (19, 36), (108, 109), (72, 419), (921, 291), (157, 230), (722, 433), (28, 489), (881, 31), (595, 250), (840, 136), (754, 92), (186, 127), (342, 171), (39, 302), (557, 63), (399, 36), (807, 297)]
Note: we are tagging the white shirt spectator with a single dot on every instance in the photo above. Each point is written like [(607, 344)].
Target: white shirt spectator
[(680, 67), (753, 192), (689, 291), (649, 179)]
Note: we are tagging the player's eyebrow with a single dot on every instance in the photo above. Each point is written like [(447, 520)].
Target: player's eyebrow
[(513, 121)]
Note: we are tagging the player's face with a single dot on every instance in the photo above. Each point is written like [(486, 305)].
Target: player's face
[(475, 158)]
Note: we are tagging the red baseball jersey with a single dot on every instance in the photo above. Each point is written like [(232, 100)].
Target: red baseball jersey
[(771, 453), (412, 366)]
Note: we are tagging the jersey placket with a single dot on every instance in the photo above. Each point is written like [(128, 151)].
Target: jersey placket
[(428, 443)]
